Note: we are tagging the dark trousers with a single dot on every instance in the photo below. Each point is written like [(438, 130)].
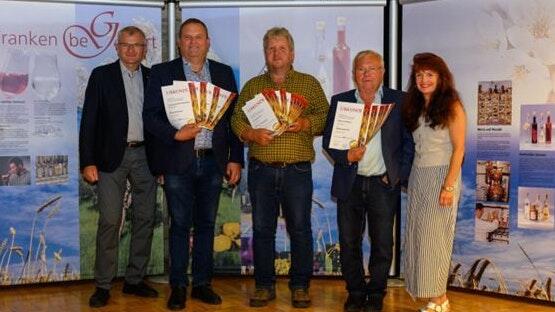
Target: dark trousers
[(193, 202), (291, 188), (111, 188), (372, 202)]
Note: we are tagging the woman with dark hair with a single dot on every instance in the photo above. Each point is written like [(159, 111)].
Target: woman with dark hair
[(435, 116)]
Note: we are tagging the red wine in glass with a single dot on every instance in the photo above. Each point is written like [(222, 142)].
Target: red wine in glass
[(13, 84), (14, 76)]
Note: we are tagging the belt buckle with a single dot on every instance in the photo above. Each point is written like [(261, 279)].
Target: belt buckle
[(278, 164), (134, 143), (199, 153)]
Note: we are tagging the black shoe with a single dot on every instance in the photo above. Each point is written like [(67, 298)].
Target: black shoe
[(375, 302), (206, 294), (99, 298), (355, 303), (177, 298), (140, 290)]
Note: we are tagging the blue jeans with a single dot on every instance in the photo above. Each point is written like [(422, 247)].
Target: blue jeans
[(291, 187), (372, 202), (193, 201)]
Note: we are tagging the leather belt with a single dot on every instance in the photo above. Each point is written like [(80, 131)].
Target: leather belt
[(277, 164), (135, 143), (199, 153)]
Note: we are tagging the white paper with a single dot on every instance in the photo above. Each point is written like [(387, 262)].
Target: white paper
[(177, 102), (260, 113), (346, 125)]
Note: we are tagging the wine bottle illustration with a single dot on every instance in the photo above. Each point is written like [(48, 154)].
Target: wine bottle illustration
[(341, 59)]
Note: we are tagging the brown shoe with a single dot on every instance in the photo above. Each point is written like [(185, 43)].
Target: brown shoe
[(261, 297), (300, 298)]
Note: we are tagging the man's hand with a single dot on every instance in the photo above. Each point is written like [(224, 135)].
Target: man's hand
[(187, 132), (300, 125), (355, 154), (90, 174), (233, 173), (260, 136)]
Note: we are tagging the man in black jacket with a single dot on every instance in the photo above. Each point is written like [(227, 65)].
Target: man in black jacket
[(367, 184), (192, 162), (111, 152)]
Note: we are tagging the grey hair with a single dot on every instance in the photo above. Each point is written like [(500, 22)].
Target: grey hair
[(364, 53), (131, 30)]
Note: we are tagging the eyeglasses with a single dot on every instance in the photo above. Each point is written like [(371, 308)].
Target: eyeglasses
[(372, 70), (131, 45)]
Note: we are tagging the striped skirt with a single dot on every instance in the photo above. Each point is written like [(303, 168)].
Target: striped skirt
[(429, 233)]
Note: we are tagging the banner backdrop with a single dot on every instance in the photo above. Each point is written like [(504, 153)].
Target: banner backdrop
[(47, 215), (502, 55), (236, 39)]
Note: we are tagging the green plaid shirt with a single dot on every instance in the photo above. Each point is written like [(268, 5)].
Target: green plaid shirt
[(289, 147)]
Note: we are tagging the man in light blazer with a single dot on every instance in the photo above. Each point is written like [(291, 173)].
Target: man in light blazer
[(366, 182), (111, 151), (192, 163)]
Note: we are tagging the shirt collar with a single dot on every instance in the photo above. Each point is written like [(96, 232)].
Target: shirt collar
[(288, 76), (379, 94), (125, 70), (188, 64)]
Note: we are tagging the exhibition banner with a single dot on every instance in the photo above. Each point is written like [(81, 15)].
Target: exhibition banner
[(326, 40), (502, 55), (48, 216)]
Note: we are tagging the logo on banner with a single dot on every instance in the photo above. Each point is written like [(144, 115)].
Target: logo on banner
[(83, 42)]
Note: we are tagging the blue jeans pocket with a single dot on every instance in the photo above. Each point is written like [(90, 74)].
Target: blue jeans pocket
[(303, 167)]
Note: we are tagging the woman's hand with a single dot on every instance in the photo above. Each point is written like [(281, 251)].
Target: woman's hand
[(445, 199)]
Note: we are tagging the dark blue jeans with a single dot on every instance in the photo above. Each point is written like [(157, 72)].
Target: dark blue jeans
[(193, 201), (291, 187), (372, 202)]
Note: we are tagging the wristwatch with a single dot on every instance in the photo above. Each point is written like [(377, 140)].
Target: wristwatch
[(448, 188)]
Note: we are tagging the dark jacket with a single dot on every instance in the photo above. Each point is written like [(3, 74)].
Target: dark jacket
[(397, 145), (165, 154), (105, 119)]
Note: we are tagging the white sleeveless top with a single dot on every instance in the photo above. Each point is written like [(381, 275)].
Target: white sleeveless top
[(432, 146)]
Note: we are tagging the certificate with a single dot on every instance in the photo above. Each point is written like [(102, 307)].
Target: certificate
[(188, 102), (346, 125), (177, 103), (260, 114)]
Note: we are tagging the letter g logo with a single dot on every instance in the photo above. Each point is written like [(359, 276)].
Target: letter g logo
[(84, 42)]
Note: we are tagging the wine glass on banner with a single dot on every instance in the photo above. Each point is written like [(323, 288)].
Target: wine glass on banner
[(14, 74), (46, 76)]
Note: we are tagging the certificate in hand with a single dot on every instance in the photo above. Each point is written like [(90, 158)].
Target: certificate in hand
[(260, 114), (188, 102), (346, 125), (372, 120), (356, 124), (177, 102)]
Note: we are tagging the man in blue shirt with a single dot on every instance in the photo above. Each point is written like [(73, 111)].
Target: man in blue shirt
[(192, 162)]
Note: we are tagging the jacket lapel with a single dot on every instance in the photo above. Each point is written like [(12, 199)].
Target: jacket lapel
[(177, 70), (119, 82), (146, 73)]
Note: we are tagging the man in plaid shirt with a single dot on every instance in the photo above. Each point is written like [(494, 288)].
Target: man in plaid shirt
[(280, 172)]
